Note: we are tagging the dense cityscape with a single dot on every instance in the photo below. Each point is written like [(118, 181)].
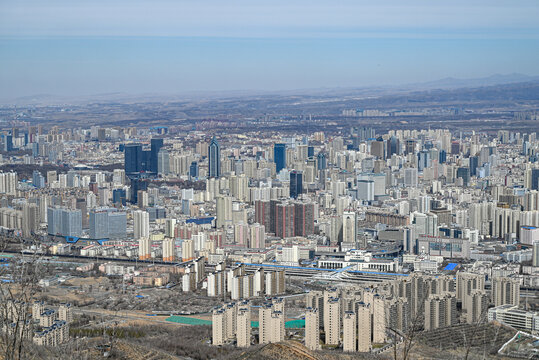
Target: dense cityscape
[(269, 180), (353, 241)]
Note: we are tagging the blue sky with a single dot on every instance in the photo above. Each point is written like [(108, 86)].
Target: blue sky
[(89, 47)]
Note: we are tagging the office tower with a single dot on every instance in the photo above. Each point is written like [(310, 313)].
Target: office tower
[(284, 220), (440, 311), (534, 179), (279, 157), (224, 211), (144, 248), (423, 160), (30, 219), (464, 174), (8, 143), (119, 197), (163, 162), (321, 162), (243, 325), (312, 328), (218, 327), (442, 157), (332, 320), (188, 250), (505, 290), (409, 146), (467, 283), (349, 227), (304, 214), (474, 164), (364, 327), (349, 337), (475, 306), (133, 158), (193, 171), (393, 147), (296, 184), (155, 146), (214, 158), (141, 224)]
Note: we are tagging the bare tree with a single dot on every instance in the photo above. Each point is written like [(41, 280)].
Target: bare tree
[(19, 278)]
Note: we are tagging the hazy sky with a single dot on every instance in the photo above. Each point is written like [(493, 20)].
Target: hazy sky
[(82, 47)]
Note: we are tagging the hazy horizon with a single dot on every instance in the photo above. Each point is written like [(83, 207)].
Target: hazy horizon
[(96, 47)]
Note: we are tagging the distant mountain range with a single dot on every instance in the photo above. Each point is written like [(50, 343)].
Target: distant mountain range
[(454, 83), (448, 83)]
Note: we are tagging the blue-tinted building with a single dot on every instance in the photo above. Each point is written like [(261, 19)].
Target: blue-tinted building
[(8, 143), (423, 160), (474, 164), (156, 212), (133, 158), (193, 170), (136, 185), (214, 158), (108, 224), (156, 145), (535, 179), (279, 156), (64, 222), (296, 184), (442, 157), (464, 173), (322, 164), (119, 196), (38, 180)]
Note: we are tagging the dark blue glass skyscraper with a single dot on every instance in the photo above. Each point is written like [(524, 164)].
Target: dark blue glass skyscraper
[(156, 145), (474, 164), (214, 157), (321, 157), (279, 156), (133, 158), (535, 179), (296, 184), (193, 170)]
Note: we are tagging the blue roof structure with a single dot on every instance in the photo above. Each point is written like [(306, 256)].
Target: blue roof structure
[(200, 221), (450, 266)]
